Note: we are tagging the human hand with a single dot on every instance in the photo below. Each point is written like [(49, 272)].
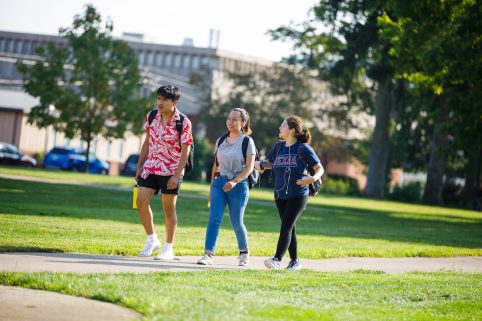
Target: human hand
[(138, 174), (209, 199), (229, 185), (307, 180), (173, 182)]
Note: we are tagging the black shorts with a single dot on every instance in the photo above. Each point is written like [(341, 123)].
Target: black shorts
[(157, 183)]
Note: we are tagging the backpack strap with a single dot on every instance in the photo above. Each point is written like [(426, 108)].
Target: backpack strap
[(245, 146), (301, 157), (179, 124), (220, 141), (152, 115)]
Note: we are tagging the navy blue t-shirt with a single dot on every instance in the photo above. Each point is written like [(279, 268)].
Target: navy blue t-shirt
[(288, 169)]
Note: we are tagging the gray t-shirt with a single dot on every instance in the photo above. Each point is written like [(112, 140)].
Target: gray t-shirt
[(230, 156)]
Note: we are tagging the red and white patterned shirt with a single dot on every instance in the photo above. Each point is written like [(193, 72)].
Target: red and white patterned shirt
[(164, 150)]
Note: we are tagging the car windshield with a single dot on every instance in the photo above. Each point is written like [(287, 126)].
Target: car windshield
[(61, 151)]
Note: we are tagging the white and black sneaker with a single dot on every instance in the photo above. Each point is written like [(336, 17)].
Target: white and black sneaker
[(272, 263), (294, 265)]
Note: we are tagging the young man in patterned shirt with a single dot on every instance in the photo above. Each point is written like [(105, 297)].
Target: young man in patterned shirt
[(161, 167)]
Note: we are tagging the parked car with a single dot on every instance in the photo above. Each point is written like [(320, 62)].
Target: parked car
[(130, 166), (68, 158), (10, 155)]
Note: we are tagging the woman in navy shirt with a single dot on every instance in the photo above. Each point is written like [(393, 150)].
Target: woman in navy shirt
[(291, 190)]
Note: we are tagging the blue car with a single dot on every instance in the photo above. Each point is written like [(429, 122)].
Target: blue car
[(68, 158)]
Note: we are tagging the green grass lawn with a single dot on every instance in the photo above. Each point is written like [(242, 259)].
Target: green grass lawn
[(37, 216), (274, 295)]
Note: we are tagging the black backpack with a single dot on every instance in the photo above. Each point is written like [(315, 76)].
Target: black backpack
[(254, 176), (190, 159), (315, 187)]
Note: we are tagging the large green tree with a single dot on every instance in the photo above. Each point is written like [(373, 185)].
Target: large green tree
[(87, 86), (437, 46), (342, 43)]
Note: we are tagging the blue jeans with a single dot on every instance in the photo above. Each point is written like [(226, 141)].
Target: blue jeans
[(237, 199)]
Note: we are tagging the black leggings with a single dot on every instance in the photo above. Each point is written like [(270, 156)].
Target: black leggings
[(289, 210)]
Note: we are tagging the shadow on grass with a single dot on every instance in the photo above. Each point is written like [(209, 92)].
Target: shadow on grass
[(57, 200)]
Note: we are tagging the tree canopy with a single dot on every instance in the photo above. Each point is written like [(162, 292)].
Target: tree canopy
[(87, 86)]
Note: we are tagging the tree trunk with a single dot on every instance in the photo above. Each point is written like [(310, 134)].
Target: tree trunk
[(377, 163), (438, 158), (87, 152), (472, 178)]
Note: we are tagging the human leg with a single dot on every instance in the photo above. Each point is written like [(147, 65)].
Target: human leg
[(292, 211), (237, 201), (145, 213), (293, 247), (170, 221), (216, 213)]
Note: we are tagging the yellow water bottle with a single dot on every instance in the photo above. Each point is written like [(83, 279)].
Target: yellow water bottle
[(134, 196)]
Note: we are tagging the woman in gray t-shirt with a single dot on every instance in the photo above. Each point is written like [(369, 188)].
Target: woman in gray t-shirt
[(229, 184)]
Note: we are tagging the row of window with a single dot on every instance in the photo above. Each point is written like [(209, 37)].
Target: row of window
[(25, 47), (172, 60)]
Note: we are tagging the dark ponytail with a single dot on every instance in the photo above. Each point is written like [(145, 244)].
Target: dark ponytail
[(302, 134)]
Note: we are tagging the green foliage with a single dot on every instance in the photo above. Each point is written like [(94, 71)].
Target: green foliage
[(340, 185), (269, 95), (87, 86), (410, 192), (203, 153)]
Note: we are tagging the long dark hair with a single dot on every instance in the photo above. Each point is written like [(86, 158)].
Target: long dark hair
[(301, 133), (246, 129)]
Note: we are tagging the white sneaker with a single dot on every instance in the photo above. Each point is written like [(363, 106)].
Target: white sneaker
[(152, 244), (272, 263), (205, 260), (166, 254), (243, 259)]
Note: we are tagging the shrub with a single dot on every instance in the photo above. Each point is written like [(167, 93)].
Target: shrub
[(341, 185), (410, 192)]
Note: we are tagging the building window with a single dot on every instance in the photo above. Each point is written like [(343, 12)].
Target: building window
[(142, 58), (9, 45), (177, 61), (159, 59), (195, 62), (2, 45), (185, 62), (168, 60), (150, 58), (18, 47), (26, 47)]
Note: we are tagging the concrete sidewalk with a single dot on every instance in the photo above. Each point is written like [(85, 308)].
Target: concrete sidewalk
[(17, 304), (88, 263)]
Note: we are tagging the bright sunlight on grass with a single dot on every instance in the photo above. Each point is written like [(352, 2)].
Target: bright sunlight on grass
[(37, 216)]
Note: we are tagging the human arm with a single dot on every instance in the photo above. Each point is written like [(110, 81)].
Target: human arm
[(264, 163), (319, 170), (248, 168), (142, 157), (176, 177), (213, 171)]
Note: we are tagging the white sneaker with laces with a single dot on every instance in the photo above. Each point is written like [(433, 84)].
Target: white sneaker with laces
[(205, 260), (152, 244), (272, 263), (243, 259), (166, 254)]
